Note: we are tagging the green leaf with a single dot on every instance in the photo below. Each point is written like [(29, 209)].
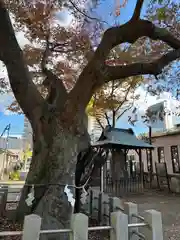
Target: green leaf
[(161, 13)]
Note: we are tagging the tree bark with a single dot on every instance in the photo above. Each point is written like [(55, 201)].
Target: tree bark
[(53, 165)]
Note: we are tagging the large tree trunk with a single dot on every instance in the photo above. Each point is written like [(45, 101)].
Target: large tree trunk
[(54, 164)]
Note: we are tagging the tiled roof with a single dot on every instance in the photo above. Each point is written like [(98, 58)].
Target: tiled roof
[(123, 137)]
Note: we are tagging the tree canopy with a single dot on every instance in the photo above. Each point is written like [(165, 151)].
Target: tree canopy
[(65, 50), (113, 100)]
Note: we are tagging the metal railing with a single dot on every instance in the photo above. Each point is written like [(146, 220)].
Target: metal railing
[(101, 206), (99, 228)]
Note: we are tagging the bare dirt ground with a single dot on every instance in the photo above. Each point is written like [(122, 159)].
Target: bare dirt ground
[(168, 204)]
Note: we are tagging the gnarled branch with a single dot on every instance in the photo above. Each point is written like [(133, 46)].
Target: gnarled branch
[(25, 91), (96, 72), (155, 67), (57, 93)]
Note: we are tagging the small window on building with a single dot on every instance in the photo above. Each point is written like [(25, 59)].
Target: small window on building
[(161, 157), (175, 159)]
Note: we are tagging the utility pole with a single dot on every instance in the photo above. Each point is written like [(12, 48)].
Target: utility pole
[(6, 129)]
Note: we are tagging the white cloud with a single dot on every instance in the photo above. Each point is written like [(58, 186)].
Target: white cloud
[(64, 18), (145, 100), (8, 112), (5, 101)]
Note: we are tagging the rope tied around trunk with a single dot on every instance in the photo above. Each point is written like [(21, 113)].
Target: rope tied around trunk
[(67, 191)]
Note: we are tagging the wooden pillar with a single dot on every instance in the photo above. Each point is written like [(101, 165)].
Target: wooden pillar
[(151, 161), (131, 168), (140, 164), (105, 174), (125, 164), (102, 179)]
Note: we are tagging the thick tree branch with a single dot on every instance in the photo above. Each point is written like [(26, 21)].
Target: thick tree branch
[(91, 77), (137, 11), (57, 93), (96, 71), (165, 36), (25, 91), (154, 68), (131, 32)]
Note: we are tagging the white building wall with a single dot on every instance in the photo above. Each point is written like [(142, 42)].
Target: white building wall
[(94, 129)]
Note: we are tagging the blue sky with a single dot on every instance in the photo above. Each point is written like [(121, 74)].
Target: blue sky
[(16, 121), (6, 117), (106, 10)]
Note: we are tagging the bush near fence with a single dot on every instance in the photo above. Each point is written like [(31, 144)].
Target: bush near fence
[(120, 218)]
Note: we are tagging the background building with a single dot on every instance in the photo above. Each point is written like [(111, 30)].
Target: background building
[(27, 134), (13, 143), (164, 115), (165, 136), (94, 128), (166, 149), (11, 149)]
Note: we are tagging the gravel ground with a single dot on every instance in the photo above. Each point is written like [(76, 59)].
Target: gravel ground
[(168, 204), (6, 225)]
